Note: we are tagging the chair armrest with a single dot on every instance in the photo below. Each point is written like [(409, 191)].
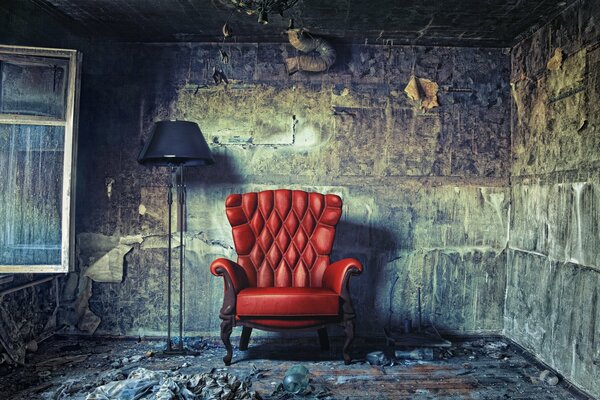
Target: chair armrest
[(230, 270), (337, 274)]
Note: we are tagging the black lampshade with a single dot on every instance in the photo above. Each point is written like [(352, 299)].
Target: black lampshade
[(176, 143)]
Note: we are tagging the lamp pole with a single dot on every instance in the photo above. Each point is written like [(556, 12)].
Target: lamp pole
[(181, 252), (176, 144), (170, 206)]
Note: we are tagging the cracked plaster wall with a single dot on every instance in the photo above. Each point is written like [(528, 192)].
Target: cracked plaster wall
[(29, 315), (553, 282), (425, 193)]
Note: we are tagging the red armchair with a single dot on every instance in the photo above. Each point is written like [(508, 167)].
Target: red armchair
[(283, 278)]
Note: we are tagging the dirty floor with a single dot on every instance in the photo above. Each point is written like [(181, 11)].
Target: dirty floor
[(72, 368)]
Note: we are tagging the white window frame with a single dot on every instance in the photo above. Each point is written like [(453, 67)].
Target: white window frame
[(69, 122)]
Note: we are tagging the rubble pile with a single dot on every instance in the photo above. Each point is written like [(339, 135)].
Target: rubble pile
[(166, 385)]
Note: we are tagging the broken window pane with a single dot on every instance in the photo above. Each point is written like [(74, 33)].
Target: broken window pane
[(31, 158), (33, 86)]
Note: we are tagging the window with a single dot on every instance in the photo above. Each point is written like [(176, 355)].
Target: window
[(38, 115)]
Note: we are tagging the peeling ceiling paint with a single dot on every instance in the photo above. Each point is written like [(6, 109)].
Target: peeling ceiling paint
[(478, 23)]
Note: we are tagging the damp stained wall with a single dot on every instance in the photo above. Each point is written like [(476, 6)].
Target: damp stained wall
[(553, 282), (426, 199), (30, 315)]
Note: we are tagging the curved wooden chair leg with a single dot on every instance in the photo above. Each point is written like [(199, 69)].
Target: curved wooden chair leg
[(349, 330), (226, 328), (323, 339), (245, 338)]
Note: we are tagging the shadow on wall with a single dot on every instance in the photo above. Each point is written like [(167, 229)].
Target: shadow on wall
[(223, 171), (373, 245)]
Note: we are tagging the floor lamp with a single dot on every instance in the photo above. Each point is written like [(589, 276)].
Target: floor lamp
[(176, 144)]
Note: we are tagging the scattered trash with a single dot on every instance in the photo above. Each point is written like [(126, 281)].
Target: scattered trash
[(378, 358), (328, 379), (495, 346), (135, 359), (139, 383), (296, 379), (425, 353), (163, 385), (257, 373), (496, 350), (296, 385), (478, 343), (548, 378)]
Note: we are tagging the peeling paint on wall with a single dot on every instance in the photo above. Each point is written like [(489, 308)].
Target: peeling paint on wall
[(427, 189), (552, 300)]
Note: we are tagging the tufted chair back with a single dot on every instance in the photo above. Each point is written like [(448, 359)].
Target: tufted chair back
[(283, 238)]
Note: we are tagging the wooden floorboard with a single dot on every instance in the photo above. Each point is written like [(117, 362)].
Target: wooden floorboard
[(468, 372)]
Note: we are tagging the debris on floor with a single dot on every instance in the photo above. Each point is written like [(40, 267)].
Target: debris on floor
[(378, 358), (425, 353), (94, 368), (296, 379), (166, 385), (548, 378)]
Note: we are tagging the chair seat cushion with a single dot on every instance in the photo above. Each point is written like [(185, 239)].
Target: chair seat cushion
[(287, 301)]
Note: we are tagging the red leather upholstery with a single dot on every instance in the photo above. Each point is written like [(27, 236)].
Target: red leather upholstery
[(283, 238), (289, 302), (283, 278), (336, 272), (237, 273), (283, 324)]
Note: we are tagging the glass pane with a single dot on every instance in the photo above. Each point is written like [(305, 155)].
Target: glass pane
[(31, 161), (33, 86)]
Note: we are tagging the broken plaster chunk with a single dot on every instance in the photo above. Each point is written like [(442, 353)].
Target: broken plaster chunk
[(556, 60)]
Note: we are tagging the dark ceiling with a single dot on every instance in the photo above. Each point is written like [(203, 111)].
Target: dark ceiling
[(480, 23)]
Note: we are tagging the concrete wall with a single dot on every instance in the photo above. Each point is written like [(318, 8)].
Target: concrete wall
[(426, 192), (553, 284)]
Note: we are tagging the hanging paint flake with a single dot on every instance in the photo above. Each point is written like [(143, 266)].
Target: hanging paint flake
[(556, 60), (422, 90)]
